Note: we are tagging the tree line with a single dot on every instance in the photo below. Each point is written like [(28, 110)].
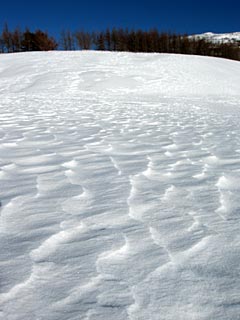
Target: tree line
[(115, 40), (21, 41)]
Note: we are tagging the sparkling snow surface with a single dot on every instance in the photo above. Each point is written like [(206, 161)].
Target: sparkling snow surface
[(119, 187)]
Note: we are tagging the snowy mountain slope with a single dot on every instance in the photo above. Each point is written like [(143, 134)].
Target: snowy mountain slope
[(119, 186), (219, 37)]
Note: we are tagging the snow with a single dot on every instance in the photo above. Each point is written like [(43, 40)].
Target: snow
[(219, 37), (119, 186)]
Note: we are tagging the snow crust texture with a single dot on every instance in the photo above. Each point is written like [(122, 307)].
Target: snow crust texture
[(119, 187)]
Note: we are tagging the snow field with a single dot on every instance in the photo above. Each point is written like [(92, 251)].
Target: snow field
[(119, 187)]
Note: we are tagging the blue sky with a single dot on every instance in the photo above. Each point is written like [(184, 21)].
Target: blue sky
[(180, 16)]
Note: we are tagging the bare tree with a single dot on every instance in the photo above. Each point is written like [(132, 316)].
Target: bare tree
[(84, 40)]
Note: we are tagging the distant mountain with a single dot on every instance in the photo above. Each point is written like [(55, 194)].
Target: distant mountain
[(219, 37)]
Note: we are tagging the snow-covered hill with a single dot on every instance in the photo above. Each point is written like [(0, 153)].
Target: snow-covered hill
[(219, 37), (119, 187)]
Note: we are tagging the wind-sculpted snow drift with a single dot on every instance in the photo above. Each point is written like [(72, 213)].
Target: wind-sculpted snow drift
[(119, 187)]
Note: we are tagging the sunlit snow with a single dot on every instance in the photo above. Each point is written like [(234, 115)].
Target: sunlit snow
[(119, 187), (218, 37)]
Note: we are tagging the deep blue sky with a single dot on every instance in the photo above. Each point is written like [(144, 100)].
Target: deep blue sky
[(179, 16)]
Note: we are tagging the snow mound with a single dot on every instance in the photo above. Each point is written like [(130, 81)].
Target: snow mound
[(75, 73)]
